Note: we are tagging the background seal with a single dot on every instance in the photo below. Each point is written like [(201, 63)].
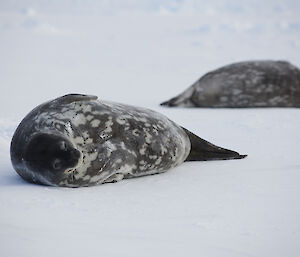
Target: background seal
[(244, 85)]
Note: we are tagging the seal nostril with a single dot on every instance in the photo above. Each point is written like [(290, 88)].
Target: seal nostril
[(75, 154)]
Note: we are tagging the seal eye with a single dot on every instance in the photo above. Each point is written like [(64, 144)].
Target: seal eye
[(63, 145), (56, 164)]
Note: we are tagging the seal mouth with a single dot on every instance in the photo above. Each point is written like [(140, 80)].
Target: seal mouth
[(70, 173)]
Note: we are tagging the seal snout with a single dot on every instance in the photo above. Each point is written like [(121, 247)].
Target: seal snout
[(75, 154), (76, 157)]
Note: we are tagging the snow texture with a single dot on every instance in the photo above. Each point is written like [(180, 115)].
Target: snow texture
[(141, 53)]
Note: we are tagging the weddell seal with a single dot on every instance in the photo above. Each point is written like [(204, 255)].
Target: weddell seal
[(244, 85), (76, 140)]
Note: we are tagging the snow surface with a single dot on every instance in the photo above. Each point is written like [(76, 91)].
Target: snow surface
[(142, 53)]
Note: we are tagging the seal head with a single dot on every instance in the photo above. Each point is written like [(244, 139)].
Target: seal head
[(51, 156)]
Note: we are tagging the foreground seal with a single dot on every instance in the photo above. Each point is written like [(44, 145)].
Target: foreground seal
[(243, 85), (76, 140)]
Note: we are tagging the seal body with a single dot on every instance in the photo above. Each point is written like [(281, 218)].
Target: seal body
[(76, 140), (244, 85), (116, 141)]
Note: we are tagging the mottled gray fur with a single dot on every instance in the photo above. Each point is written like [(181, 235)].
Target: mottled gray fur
[(116, 141), (243, 85)]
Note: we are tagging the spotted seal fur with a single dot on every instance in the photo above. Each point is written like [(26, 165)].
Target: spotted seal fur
[(244, 85), (77, 140)]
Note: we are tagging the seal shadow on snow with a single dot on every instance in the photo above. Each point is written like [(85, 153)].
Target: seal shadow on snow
[(9, 178)]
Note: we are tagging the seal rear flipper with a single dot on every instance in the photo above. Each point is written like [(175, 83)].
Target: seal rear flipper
[(184, 99), (180, 100), (170, 103), (202, 150), (70, 98)]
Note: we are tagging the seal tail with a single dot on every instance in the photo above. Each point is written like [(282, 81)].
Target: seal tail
[(170, 103), (184, 99), (202, 150)]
